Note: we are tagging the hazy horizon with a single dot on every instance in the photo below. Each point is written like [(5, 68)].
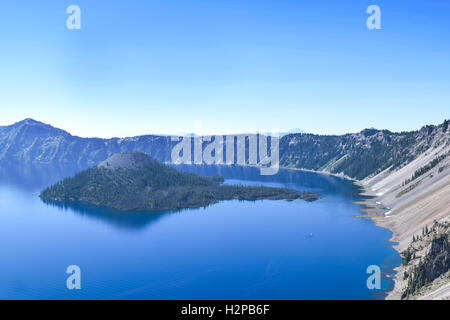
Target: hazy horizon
[(217, 133), (225, 66)]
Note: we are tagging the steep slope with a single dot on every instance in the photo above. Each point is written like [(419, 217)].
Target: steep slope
[(426, 264), (410, 199), (362, 154), (408, 174)]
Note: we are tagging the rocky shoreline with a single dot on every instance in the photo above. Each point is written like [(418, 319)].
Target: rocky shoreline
[(407, 208), (406, 201)]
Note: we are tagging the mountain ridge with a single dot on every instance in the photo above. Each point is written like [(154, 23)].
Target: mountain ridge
[(356, 155)]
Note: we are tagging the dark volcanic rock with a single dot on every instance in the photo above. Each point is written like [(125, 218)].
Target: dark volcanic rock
[(436, 263)]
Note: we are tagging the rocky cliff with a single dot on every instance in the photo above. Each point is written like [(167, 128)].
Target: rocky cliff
[(426, 261)]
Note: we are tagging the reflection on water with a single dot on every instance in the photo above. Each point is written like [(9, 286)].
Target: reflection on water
[(32, 177), (123, 220)]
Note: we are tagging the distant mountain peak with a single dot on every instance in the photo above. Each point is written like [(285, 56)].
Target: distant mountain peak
[(29, 121), (36, 126), (293, 131)]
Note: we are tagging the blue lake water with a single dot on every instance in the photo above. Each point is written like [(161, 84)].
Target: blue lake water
[(231, 250)]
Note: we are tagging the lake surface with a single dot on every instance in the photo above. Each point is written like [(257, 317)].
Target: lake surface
[(231, 250)]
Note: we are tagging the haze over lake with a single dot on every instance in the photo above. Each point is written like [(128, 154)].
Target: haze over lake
[(230, 250)]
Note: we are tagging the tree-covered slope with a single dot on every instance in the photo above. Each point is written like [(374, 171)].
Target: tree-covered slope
[(134, 181), (362, 154)]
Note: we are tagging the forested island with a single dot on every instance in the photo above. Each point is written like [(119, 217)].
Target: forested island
[(137, 182)]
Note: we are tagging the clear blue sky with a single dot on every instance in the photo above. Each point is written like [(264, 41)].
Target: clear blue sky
[(163, 66)]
